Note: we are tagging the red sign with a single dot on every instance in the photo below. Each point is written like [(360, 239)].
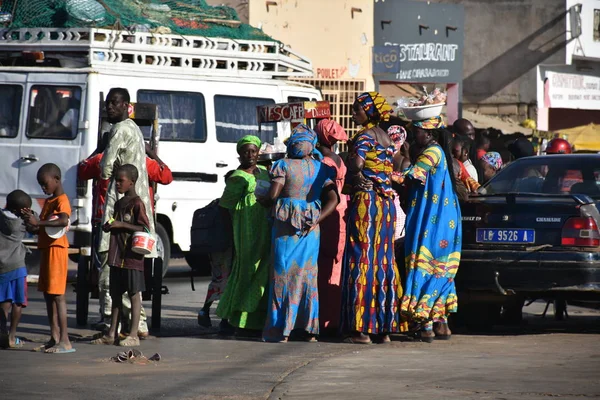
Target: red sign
[(317, 109), (331, 73)]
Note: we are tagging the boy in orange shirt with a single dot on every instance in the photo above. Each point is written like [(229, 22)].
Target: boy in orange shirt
[(54, 256)]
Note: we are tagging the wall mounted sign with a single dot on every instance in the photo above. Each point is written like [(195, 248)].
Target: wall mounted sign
[(426, 38)]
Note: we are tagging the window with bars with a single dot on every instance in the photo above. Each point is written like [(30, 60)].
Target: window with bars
[(341, 95)]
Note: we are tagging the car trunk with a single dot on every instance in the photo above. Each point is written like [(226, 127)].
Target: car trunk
[(519, 221)]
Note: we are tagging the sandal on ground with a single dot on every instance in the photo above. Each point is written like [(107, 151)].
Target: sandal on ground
[(311, 339), (59, 350), (443, 337), (419, 337), (384, 339), (16, 345), (104, 340), (355, 340), (40, 349), (130, 341)]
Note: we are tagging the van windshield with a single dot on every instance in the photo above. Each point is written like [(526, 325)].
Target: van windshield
[(10, 109)]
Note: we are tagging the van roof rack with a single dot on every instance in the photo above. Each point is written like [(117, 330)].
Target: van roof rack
[(117, 49)]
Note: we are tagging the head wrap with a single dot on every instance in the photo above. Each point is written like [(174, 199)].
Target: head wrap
[(494, 159), (302, 143), (248, 139), (330, 132), (431, 123), (376, 108), (398, 135), (521, 148)]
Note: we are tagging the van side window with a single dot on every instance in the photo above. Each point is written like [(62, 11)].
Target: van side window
[(296, 99), (236, 117), (54, 112), (10, 110), (181, 115)]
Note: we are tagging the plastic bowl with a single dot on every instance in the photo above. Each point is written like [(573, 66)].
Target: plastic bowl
[(56, 232), (420, 113)]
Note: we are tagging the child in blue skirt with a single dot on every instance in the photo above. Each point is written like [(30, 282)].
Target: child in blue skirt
[(13, 273)]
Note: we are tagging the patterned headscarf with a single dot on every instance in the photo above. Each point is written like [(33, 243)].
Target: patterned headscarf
[(302, 143), (494, 159), (248, 139), (330, 132), (376, 108), (431, 123), (398, 135)]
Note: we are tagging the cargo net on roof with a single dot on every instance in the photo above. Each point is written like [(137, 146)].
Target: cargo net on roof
[(186, 17)]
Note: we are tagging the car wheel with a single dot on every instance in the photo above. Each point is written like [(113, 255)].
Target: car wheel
[(480, 317), (198, 262), (560, 309), (163, 247), (82, 297), (512, 310)]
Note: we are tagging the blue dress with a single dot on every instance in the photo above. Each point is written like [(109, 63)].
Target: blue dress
[(293, 292), (433, 240)]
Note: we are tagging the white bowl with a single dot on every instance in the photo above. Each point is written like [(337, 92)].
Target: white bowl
[(420, 113), (56, 232)]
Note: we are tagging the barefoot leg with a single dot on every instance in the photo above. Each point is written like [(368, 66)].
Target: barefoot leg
[(15, 317), (61, 307), (136, 308), (52, 318)]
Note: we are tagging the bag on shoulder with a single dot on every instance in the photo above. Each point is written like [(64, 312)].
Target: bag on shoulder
[(209, 232)]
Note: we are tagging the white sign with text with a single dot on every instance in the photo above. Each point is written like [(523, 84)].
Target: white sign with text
[(576, 91)]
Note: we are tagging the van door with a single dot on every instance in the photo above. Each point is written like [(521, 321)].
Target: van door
[(52, 131), (11, 99)]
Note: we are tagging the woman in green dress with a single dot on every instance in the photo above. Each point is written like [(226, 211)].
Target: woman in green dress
[(244, 301)]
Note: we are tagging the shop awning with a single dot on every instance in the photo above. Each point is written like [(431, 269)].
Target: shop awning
[(583, 138)]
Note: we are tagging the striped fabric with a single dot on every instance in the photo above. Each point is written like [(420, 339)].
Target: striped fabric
[(372, 287)]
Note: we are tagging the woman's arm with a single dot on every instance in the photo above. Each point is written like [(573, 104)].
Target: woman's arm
[(272, 195), (330, 198)]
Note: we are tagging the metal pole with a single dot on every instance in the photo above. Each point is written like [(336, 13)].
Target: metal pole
[(157, 269)]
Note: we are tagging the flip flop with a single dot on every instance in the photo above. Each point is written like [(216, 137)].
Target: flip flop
[(104, 340), (44, 347), (350, 340), (59, 350), (18, 344), (129, 341)]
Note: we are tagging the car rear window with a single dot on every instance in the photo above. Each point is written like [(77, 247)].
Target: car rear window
[(10, 110), (549, 175)]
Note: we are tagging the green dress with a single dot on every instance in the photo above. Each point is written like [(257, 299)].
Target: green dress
[(244, 302)]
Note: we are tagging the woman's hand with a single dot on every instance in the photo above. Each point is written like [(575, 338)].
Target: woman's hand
[(362, 183)]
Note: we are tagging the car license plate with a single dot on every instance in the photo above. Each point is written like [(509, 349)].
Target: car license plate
[(505, 236)]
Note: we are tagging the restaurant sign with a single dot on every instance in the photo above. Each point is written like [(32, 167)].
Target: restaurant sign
[(575, 91), (424, 42)]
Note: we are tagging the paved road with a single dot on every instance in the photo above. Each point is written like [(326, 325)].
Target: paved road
[(541, 359)]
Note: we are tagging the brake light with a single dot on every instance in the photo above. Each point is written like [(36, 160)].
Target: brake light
[(580, 231)]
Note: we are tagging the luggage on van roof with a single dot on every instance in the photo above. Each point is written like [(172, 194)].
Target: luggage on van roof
[(186, 17)]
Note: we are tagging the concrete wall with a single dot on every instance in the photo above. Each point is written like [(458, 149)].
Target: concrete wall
[(337, 40), (587, 46), (504, 42)]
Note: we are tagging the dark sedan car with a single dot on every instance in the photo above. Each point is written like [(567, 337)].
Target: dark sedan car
[(533, 233)]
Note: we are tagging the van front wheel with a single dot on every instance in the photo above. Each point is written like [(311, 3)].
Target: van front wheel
[(163, 247)]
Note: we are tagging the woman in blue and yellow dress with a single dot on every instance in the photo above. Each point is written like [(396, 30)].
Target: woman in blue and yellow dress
[(371, 285), (304, 194), (433, 233)]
